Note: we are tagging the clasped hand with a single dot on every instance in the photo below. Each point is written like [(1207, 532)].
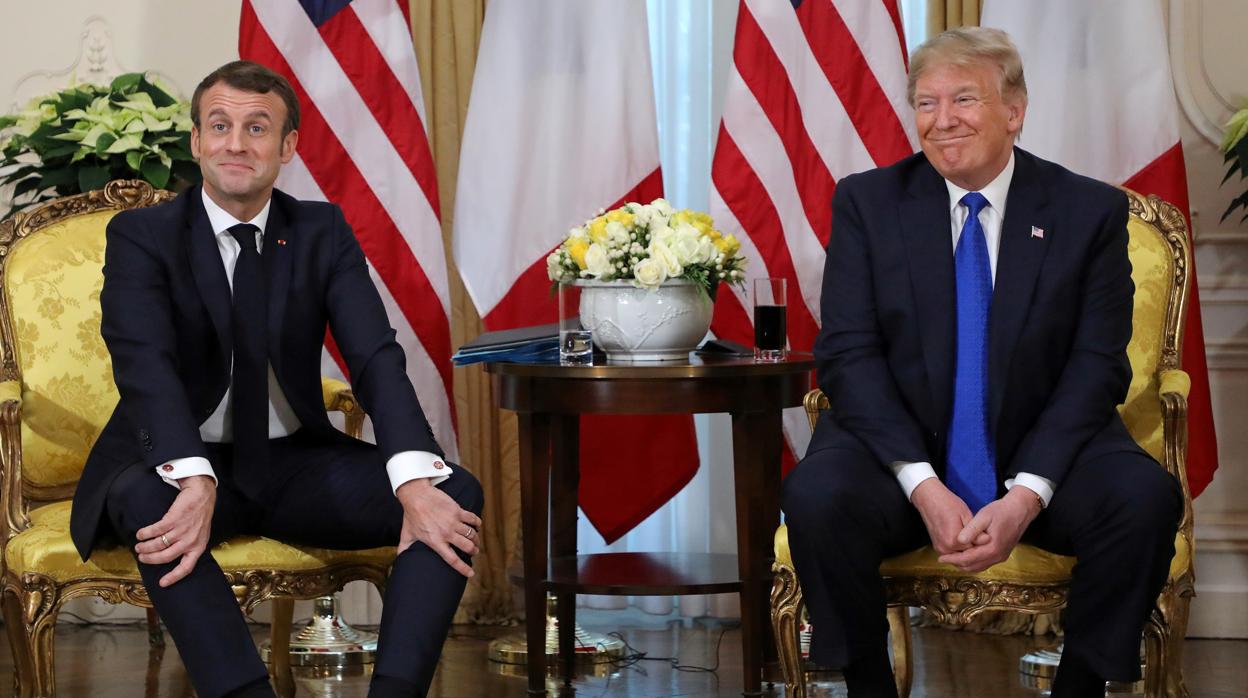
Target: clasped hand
[(973, 543)]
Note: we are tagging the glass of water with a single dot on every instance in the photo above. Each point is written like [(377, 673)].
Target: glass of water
[(576, 343)]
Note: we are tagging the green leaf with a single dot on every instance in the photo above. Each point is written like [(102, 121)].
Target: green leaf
[(60, 152), (126, 142), (7, 120), (1230, 171), (92, 177), (92, 139), (28, 185), (1241, 200), (187, 171), (124, 84), (134, 159), (104, 142), (159, 96), (60, 177), (156, 173), (176, 152), (136, 126)]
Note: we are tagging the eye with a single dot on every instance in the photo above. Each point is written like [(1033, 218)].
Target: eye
[(966, 100), (925, 104), (218, 127), (256, 130)]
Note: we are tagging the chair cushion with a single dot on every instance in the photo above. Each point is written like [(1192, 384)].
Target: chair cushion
[(1027, 564), (1152, 273), (53, 280), (45, 548)]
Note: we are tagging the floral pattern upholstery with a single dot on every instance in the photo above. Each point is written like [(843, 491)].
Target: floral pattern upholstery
[(53, 282)]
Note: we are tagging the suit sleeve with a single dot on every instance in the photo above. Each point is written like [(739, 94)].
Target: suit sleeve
[(1097, 372), (850, 361), (362, 331), (138, 328)]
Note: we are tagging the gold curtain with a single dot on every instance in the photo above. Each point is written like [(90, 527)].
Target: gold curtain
[(446, 34), (947, 14)]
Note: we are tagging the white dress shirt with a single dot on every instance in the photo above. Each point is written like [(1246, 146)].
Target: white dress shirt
[(991, 218), (401, 468)]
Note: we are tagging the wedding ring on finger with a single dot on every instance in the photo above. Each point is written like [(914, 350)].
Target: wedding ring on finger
[(472, 533), (165, 540)]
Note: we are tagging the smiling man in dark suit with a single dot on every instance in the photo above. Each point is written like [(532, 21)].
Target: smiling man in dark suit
[(215, 308), (976, 312)]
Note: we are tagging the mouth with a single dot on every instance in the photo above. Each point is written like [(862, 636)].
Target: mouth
[(237, 166)]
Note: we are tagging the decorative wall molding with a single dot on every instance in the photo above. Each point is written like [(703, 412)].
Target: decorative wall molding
[(1226, 354), (1209, 128)]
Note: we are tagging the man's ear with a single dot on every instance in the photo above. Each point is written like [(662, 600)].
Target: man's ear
[(195, 141), (289, 143)]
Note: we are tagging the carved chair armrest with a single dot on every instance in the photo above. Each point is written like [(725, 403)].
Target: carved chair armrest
[(14, 519), (1173, 394), (339, 398), (815, 402)]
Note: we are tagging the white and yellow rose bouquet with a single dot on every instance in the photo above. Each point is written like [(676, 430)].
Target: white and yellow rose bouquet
[(648, 244)]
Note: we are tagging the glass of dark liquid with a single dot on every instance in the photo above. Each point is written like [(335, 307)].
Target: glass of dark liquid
[(770, 320)]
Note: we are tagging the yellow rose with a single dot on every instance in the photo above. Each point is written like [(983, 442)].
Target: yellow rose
[(598, 229), (620, 216), (576, 249)]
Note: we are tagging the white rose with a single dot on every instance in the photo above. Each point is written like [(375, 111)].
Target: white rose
[(649, 273), (616, 232), (597, 261), (662, 234), (663, 255), (662, 206), (687, 245), (554, 266)]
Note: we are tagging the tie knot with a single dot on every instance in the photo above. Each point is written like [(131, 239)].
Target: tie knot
[(974, 202), (245, 233)]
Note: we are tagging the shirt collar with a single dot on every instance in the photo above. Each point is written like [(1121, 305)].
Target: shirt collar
[(995, 191), (221, 220)]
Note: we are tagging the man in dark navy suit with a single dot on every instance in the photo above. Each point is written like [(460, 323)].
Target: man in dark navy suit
[(976, 312), (215, 308)]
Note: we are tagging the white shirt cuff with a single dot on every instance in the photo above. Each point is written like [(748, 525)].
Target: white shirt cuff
[(909, 475), (406, 466), (1040, 485), (179, 468)]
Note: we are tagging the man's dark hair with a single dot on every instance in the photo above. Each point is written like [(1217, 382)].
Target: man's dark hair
[(250, 77)]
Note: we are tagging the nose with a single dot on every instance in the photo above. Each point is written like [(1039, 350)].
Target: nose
[(946, 115), (235, 142)]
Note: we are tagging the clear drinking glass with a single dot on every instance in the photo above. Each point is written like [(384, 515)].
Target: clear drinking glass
[(576, 344), (770, 320)]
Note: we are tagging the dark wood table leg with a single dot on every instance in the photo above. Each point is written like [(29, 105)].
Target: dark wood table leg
[(534, 437), (564, 488), (756, 442)]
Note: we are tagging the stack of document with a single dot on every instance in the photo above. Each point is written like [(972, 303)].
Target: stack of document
[(536, 344)]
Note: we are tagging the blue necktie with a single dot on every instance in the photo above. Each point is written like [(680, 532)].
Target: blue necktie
[(971, 471)]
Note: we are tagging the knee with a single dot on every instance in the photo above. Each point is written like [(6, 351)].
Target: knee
[(1149, 502), (137, 498), (814, 492), (466, 490)]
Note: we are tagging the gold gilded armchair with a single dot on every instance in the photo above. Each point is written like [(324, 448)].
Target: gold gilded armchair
[(1033, 580), (56, 393)]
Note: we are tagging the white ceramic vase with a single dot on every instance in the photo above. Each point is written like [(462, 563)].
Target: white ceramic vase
[(637, 324)]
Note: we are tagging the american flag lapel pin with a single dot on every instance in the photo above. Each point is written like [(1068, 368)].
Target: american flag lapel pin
[(1037, 232)]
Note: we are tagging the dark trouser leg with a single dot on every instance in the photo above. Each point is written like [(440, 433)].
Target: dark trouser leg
[(845, 514), (200, 611), (1117, 514), (341, 498)]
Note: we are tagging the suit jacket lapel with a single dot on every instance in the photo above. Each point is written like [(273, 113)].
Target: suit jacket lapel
[(277, 259), (926, 233), (1018, 266), (209, 272)]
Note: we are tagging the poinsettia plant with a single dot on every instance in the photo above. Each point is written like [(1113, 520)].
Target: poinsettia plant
[(1235, 145), (81, 137)]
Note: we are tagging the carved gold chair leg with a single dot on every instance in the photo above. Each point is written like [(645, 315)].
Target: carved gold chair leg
[(786, 610), (23, 663), (32, 627), (1163, 647), (279, 637), (903, 657), (155, 636)]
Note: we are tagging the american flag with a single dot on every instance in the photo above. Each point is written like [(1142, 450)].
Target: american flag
[(363, 146), (817, 91)]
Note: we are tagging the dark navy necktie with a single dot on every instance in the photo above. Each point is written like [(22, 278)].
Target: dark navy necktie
[(971, 471), (249, 386)]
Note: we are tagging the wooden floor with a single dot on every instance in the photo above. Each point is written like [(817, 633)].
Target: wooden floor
[(114, 662)]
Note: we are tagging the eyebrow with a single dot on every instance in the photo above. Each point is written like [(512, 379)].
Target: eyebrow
[(259, 114)]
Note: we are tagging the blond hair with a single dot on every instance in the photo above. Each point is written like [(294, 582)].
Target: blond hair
[(968, 46)]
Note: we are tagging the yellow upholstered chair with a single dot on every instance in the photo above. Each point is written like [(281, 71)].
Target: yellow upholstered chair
[(1033, 580), (56, 394)]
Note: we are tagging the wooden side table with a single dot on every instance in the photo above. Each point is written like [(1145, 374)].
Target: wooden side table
[(549, 400)]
